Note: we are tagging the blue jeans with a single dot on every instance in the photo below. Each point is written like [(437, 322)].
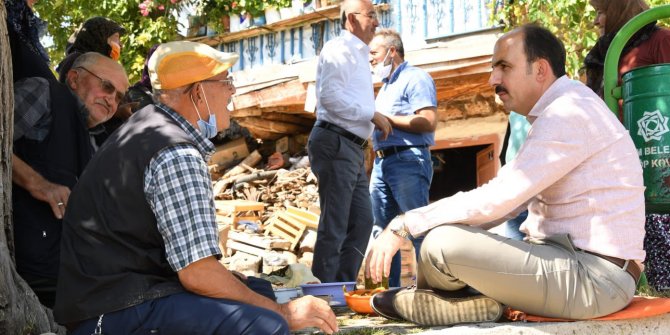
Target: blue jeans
[(399, 183), (512, 227), (188, 313)]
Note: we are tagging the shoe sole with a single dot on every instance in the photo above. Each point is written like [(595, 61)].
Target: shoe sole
[(429, 309)]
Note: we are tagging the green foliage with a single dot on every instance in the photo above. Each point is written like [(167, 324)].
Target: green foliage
[(218, 8), (570, 20), (144, 28), (147, 22), (214, 10)]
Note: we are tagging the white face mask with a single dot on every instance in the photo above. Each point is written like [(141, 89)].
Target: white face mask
[(382, 71)]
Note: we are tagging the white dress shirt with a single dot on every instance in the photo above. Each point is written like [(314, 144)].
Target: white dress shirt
[(344, 91), (578, 173)]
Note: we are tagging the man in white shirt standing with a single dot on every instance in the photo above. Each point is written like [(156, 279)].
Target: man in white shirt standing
[(578, 175), (345, 119)]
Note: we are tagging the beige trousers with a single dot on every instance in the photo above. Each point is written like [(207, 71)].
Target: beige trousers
[(549, 277)]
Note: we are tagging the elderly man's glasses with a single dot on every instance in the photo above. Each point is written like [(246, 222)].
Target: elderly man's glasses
[(228, 82), (371, 15), (106, 86)]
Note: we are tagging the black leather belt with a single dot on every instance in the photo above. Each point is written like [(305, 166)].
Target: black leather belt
[(363, 143), (388, 151), (629, 266)]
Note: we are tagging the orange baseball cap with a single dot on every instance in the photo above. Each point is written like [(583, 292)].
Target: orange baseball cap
[(175, 64)]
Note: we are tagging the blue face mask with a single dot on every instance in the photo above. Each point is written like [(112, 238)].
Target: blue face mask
[(207, 129)]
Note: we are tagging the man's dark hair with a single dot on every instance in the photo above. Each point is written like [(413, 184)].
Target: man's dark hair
[(540, 43)]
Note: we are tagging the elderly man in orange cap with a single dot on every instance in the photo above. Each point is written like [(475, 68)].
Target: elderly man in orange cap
[(140, 242)]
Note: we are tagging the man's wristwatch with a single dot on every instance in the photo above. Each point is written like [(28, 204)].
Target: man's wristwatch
[(397, 227)]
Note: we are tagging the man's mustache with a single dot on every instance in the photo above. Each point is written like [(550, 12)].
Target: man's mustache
[(501, 89)]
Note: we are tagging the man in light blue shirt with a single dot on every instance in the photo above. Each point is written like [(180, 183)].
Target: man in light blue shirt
[(517, 131), (345, 118), (402, 170)]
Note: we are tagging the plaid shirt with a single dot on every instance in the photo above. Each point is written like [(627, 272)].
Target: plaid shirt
[(32, 109), (178, 187), (32, 113)]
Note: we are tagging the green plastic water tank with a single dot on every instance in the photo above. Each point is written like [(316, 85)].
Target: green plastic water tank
[(646, 108)]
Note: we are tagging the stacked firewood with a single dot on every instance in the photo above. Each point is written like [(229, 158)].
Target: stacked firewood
[(278, 189), (267, 217), (295, 188)]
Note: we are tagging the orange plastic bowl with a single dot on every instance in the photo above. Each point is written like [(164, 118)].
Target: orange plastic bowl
[(359, 301)]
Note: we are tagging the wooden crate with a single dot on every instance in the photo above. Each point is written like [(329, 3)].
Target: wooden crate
[(240, 210), (286, 226), (309, 219)]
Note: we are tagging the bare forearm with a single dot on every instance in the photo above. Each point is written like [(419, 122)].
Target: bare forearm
[(39, 187), (423, 121), (24, 175), (208, 277)]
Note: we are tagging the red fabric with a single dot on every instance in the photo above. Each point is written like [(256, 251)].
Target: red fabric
[(655, 50), (640, 307)]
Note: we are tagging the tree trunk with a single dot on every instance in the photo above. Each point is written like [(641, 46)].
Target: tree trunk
[(20, 311)]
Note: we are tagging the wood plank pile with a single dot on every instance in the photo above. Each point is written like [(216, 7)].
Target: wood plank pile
[(281, 240), (263, 216), (278, 189)]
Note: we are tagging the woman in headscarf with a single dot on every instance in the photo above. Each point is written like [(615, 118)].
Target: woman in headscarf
[(29, 58), (97, 34), (650, 45)]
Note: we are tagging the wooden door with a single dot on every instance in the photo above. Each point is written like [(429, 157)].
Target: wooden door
[(486, 167)]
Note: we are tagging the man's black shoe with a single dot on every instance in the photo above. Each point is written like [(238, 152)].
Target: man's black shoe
[(382, 303)]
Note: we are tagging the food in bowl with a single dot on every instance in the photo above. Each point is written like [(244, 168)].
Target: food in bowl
[(359, 300)]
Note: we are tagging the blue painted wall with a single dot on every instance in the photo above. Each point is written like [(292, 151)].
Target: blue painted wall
[(415, 20)]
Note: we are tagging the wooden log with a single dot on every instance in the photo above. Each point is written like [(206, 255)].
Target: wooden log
[(290, 109), (251, 160), (245, 112), (288, 93), (291, 118), (223, 183), (263, 134), (274, 126), (254, 176)]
